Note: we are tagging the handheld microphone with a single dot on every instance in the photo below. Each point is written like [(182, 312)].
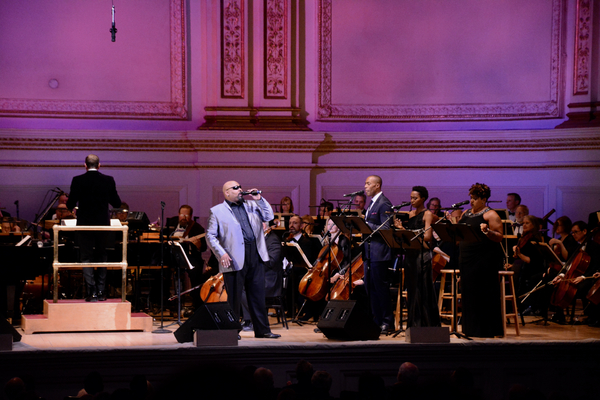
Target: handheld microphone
[(354, 193), (252, 192), (113, 29), (399, 206), (462, 203)]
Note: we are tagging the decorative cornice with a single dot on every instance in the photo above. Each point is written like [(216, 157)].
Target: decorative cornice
[(276, 55), (581, 72), (304, 142), (232, 49), (399, 167), (175, 109), (328, 111)]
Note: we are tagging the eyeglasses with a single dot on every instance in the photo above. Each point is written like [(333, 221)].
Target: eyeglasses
[(575, 232), (236, 187)]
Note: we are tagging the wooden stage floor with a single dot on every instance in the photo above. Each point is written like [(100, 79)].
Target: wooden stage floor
[(545, 357), (297, 335)]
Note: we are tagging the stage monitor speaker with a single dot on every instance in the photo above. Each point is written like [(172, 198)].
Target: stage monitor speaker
[(428, 334), (7, 328), (210, 316), (344, 320)]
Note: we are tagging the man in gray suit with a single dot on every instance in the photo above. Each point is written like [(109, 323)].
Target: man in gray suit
[(235, 236)]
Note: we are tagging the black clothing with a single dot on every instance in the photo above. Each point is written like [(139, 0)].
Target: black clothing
[(93, 192), (479, 265), (421, 298)]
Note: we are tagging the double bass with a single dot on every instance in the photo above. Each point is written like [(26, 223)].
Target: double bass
[(315, 283)]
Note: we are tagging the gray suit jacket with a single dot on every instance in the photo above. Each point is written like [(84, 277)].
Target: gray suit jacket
[(224, 232)]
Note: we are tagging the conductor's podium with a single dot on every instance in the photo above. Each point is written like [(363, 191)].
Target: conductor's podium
[(81, 316)]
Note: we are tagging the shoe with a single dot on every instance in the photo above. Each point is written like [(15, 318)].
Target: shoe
[(386, 329), (528, 311), (101, 296), (559, 318), (239, 337), (92, 298), (247, 327), (269, 335)]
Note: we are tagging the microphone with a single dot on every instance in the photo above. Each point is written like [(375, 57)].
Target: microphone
[(252, 192), (354, 193), (462, 203), (399, 206), (113, 29)]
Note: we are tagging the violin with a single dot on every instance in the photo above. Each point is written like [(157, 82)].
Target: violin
[(341, 288), (315, 283), (438, 262)]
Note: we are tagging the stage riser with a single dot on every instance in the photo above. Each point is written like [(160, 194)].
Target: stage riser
[(81, 316)]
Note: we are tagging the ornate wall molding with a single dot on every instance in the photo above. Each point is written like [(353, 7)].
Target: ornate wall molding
[(290, 142), (328, 111), (232, 49), (174, 109), (581, 70), (276, 49)]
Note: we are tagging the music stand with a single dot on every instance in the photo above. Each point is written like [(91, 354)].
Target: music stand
[(456, 233), (182, 262), (294, 254)]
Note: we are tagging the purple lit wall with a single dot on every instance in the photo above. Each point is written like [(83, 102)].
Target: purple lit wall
[(434, 93)]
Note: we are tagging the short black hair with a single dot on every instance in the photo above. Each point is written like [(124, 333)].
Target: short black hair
[(516, 196), (422, 190)]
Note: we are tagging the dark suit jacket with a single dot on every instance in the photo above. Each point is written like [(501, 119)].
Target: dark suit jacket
[(273, 267), (378, 250), (93, 192)]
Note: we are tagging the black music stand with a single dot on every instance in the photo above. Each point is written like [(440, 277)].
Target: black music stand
[(401, 239), (294, 254), (182, 261), (453, 233)]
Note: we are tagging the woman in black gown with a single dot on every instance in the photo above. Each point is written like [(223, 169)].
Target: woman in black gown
[(479, 264), (421, 298)]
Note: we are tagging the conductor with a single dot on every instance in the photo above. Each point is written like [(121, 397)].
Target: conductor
[(93, 192)]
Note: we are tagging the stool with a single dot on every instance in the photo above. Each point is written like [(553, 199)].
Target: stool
[(510, 297), (444, 295), (401, 295)]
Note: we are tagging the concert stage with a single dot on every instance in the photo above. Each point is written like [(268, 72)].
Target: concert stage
[(551, 358)]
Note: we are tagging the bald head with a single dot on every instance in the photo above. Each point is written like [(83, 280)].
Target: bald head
[(232, 191), (92, 161), (373, 185)]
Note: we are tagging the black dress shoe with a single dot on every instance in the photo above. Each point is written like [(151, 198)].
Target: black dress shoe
[(559, 318), (386, 329), (269, 335), (101, 296), (92, 298)]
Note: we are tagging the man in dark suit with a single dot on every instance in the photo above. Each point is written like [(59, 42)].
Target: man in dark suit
[(378, 256), (236, 237), (93, 192)]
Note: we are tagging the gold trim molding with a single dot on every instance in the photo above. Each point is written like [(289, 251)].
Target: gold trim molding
[(176, 109), (328, 111), (581, 72)]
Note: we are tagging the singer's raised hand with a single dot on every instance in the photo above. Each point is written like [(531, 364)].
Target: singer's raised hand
[(255, 196)]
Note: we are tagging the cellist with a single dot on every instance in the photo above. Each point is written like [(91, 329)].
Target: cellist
[(579, 231)]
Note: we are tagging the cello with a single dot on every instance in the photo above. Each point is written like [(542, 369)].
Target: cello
[(315, 283), (341, 288), (213, 290), (565, 291)]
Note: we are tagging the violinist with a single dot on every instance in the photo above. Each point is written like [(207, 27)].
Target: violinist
[(421, 298), (581, 280)]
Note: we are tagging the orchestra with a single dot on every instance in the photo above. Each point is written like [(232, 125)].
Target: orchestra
[(327, 264)]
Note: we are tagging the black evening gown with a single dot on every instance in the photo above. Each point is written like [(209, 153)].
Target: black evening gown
[(421, 298), (479, 264)]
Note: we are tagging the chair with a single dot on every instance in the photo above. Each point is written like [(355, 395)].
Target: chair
[(274, 294), (510, 297)]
